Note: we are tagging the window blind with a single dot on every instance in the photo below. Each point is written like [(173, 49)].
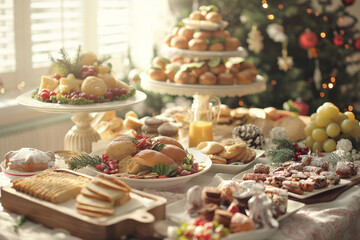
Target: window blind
[(113, 25), (54, 24), (7, 46)]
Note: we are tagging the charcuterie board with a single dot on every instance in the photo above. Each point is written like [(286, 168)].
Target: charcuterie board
[(135, 218)]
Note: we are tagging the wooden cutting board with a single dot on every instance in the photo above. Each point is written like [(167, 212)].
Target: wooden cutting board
[(139, 222), (329, 195)]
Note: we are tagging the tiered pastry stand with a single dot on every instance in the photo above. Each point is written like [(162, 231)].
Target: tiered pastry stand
[(81, 136)]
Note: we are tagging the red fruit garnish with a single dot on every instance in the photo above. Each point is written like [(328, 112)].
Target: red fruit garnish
[(109, 95), (199, 221), (84, 95), (107, 171), (105, 157), (44, 95), (163, 176), (99, 167), (123, 91), (294, 144), (233, 208), (93, 97), (57, 76), (117, 91), (53, 93)]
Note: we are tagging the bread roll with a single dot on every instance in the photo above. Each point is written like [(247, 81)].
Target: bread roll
[(198, 71), (202, 35), (167, 39), (207, 78), (218, 69), (231, 44), (196, 15), (185, 77), (216, 47), (197, 44), (210, 147), (157, 74), (187, 33), (120, 148), (221, 34), (150, 158), (160, 62), (179, 42), (213, 17), (226, 78), (174, 152), (168, 140)]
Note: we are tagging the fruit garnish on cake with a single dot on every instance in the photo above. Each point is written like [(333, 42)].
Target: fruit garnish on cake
[(84, 79)]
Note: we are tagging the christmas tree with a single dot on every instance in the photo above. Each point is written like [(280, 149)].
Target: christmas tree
[(302, 51)]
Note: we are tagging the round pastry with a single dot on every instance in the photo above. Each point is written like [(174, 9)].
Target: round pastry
[(246, 76), (187, 33), (216, 159), (216, 47), (178, 60), (94, 85), (232, 151), (213, 17), (167, 39), (225, 78), (174, 152), (160, 62), (132, 122), (171, 70), (168, 140), (197, 44), (232, 68), (185, 77), (157, 73), (207, 78), (210, 147), (29, 160), (202, 35), (218, 69), (241, 223), (198, 71), (179, 42), (150, 158), (149, 129), (169, 130), (196, 15), (153, 121), (221, 34), (88, 58), (232, 44), (175, 31)]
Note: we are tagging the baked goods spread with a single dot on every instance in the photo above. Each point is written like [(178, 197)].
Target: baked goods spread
[(99, 197), (232, 207), (52, 186), (230, 71), (29, 160), (227, 151), (203, 30), (83, 80)]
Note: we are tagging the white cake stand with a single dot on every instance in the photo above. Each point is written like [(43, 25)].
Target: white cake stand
[(81, 136)]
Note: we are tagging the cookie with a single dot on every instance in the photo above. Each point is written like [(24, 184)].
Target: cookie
[(216, 159), (153, 121), (167, 129), (210, 147), (223, 217), (207, 211), (211, 195)]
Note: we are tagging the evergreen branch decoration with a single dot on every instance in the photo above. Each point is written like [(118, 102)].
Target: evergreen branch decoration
[(337, 156), (66, 65), (20, 221), (283, 151), (84, 160)]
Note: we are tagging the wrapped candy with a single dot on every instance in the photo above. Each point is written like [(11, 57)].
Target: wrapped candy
[(194, 202), (344, 144), (260, 211)]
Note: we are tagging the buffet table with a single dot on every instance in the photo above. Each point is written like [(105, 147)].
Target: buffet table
[(339, 219)]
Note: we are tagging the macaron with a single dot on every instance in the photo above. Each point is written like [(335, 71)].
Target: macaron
[(167, 129)]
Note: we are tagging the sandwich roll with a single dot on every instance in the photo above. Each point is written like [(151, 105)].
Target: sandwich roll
[(174, 152), (150, 158), (168, 140)]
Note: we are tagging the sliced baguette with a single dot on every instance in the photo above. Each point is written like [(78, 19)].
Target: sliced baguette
[(102, 211), (110, 194), (90, 214), (122, 200), (81, 199), (87, 193), (112, 182)]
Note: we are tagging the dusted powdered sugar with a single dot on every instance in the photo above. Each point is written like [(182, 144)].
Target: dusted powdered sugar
[(29, 156)]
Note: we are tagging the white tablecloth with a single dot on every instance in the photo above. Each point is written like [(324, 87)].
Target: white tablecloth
[(339, 219)]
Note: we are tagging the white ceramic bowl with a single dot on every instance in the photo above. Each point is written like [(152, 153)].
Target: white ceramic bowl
[(164, 183), (12, 175)]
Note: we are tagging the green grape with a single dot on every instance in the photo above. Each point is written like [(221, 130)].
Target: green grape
[(333, 130), (339, 118), (309, 142), (350, 115), (356, 132), (321, 110), (319, 135), (309, 128), (328, 104), (347, 126), (329, 145), (331, 111), (322, 121), (313, 116), (317, 146)]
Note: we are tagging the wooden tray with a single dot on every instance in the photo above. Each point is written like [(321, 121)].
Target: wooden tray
[(139, 222)]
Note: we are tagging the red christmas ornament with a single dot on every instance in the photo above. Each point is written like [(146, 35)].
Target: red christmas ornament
[(308, 40), (338, 40), (348, 2), (356, 44)]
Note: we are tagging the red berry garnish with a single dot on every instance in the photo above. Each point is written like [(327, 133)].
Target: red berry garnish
[(293, 159), (117, 91), (93, 97), (57, 76), (53, 93), (84, 95), (123, 91), (109, 95), (294, 144), (99, 167), (45, 95), (104, 156)]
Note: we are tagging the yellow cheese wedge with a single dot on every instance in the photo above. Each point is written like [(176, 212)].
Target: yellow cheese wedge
[(48, 83)]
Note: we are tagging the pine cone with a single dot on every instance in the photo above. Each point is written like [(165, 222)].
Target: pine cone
[(251, 134)]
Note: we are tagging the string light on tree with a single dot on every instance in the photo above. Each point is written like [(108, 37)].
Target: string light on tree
[(338, 40), (264, 4)]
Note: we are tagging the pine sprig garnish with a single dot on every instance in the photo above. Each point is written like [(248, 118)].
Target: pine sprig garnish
[(66, 65), (20, 221), (337, 156), (84, 160), (282, 152)]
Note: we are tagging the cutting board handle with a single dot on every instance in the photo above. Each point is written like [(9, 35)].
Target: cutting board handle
[(142, 216)]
